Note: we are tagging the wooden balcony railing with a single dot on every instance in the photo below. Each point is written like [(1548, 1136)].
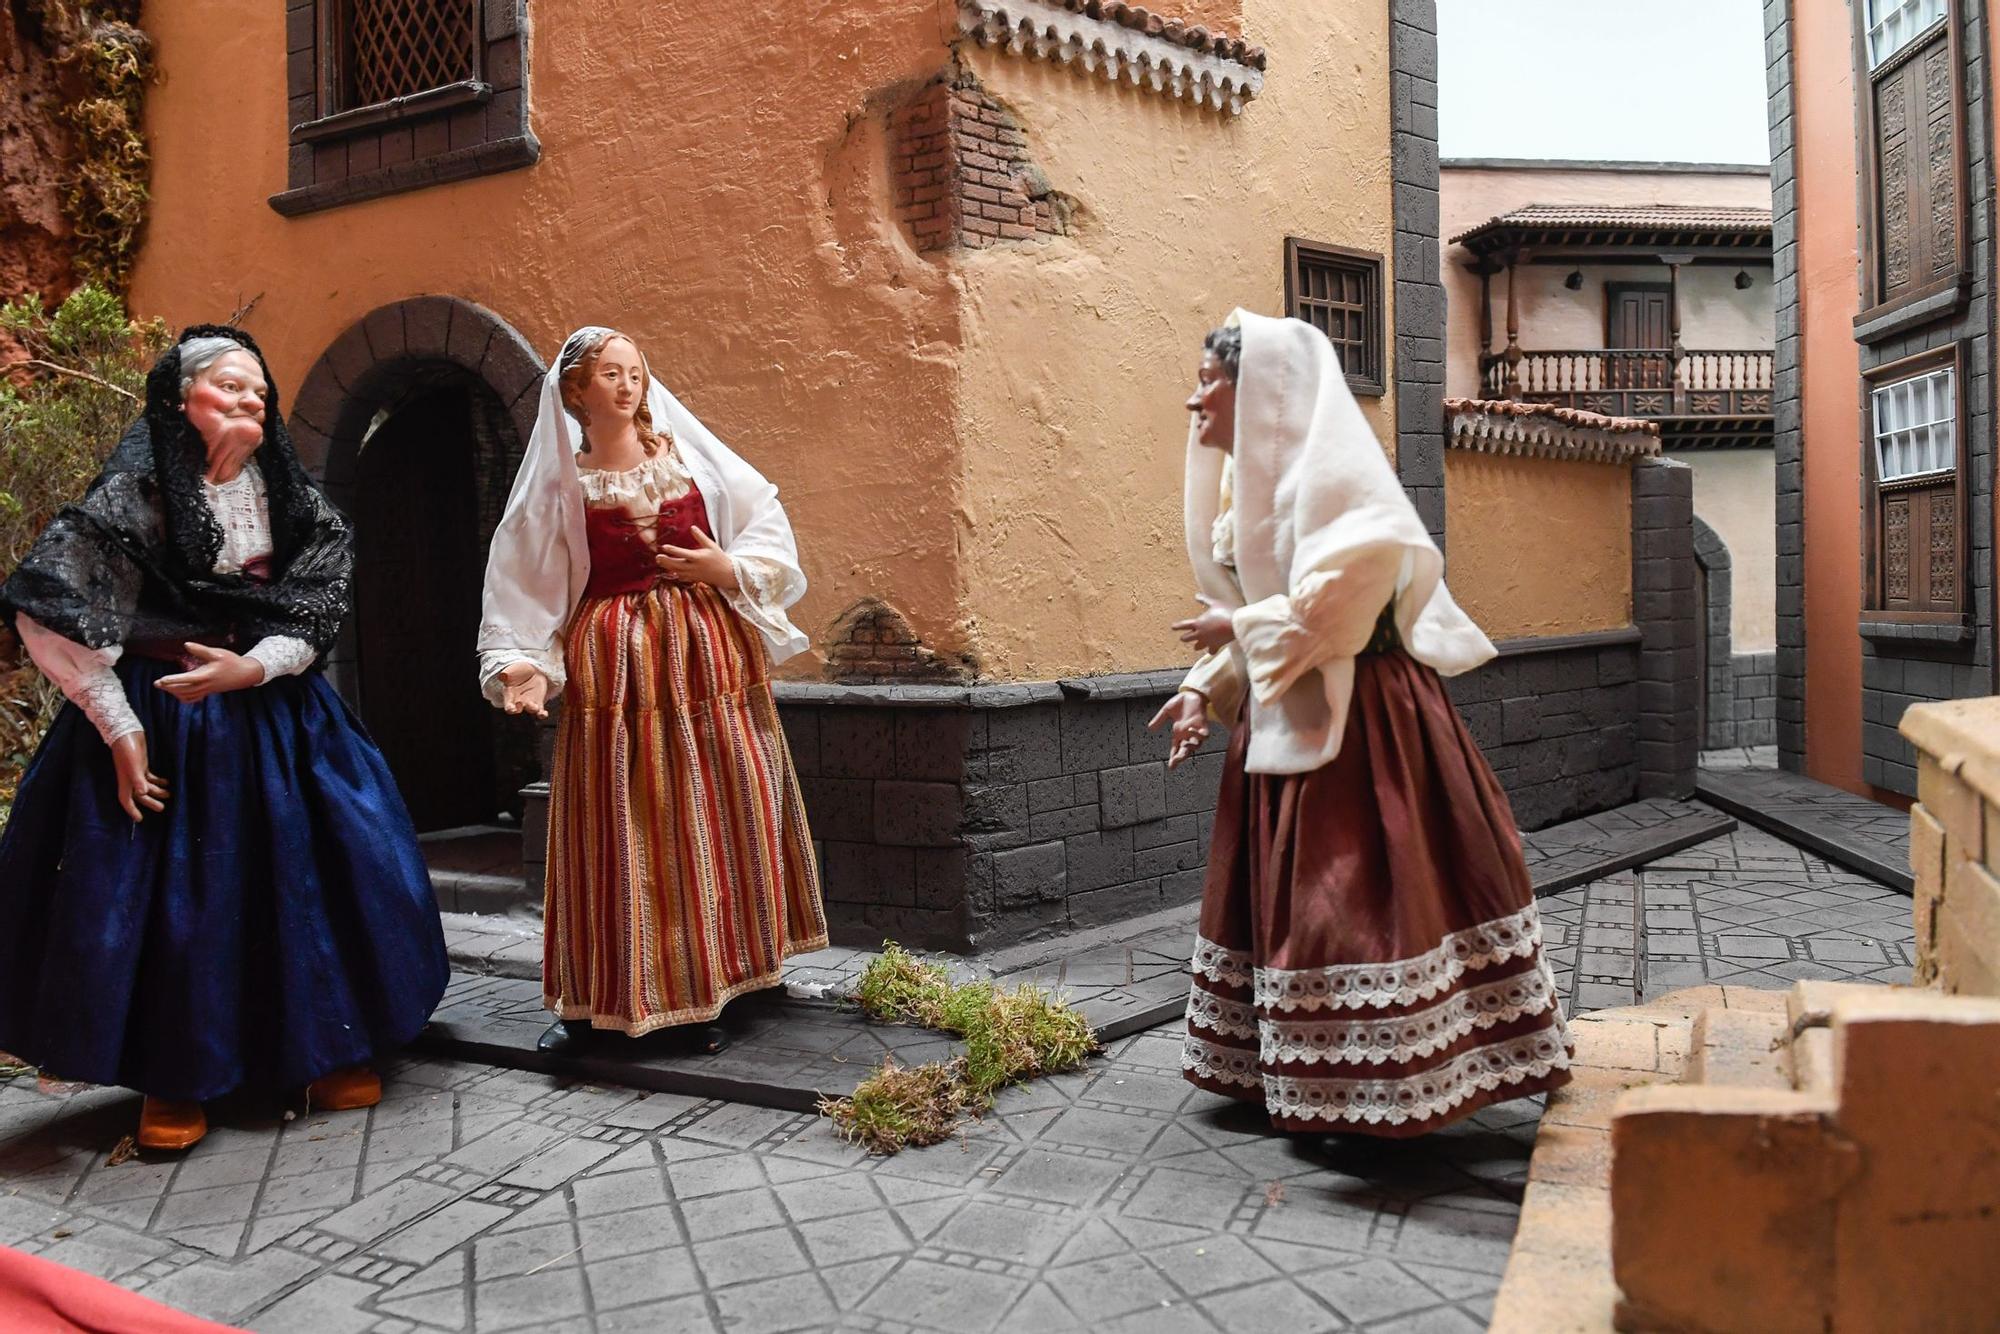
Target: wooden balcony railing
[(1637, 383)]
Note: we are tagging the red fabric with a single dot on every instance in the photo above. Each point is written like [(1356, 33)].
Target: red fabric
[(42, 1297), (621, 559)]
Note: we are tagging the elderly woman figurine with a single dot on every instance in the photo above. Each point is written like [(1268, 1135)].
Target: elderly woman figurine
[(1369, 957), (209, 881), (644, 564)]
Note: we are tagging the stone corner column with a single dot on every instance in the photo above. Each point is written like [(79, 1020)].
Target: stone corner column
[(1663, 607)]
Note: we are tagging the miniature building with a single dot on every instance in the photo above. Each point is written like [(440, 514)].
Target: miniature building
[(1881, 116), (1638, 290), (942, 273)]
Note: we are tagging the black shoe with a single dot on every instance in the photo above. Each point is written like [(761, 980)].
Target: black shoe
[(566, 1037), (707, 1039)]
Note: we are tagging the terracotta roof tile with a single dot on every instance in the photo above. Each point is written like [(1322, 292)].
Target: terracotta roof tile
[(1626, 217), (1543, 430), (1194, 36)]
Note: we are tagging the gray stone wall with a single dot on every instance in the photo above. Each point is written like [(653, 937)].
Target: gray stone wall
[(1746, 712), (1790, 677), (1664, 605), (1419, 295), (1557, 720), (955, 817), (1900, 668)]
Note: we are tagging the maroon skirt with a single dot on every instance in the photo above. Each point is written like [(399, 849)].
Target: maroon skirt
[(1370, 957)]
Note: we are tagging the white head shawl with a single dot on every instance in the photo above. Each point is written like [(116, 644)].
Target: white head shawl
[(1312, 491), (540, 560)]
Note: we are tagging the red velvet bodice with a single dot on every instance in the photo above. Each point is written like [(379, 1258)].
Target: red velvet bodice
[(621, 560)]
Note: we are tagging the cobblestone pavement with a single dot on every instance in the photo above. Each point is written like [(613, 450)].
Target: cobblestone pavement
[(1118, 1198)]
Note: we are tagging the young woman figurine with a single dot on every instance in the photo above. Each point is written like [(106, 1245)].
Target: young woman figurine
[(209, 881), (645, 568), (1369, 958)]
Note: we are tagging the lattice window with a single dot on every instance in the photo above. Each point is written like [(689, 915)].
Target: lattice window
[(1339, 291), (1894, 24), (396, 48)]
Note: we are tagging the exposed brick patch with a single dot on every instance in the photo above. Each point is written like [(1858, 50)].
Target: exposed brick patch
[(872, 642), (962, 174)]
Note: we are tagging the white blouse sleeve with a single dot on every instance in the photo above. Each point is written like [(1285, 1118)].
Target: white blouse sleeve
[(1219, 681), (84, 676), (1330, 614), (281, 655)]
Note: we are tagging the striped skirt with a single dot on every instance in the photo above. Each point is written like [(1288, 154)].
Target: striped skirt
[(680, 869), (1369, 958)]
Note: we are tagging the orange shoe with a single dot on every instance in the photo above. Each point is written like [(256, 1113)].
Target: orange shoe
[(170, 1125), (345, 1090)]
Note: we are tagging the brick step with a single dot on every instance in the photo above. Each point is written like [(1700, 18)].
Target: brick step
[(1739, 1048)]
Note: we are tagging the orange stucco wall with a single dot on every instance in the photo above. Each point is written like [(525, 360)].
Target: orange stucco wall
[(989, 441), (1539, 546), (1830, 369), (730, 214)]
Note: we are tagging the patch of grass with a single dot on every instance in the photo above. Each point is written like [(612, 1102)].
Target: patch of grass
[(901, 1105), (1011, 1034)]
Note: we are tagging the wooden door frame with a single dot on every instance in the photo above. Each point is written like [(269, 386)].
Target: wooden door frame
[(1611, 293)]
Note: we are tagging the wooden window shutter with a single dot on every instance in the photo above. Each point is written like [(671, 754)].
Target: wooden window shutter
[(1916, 166)]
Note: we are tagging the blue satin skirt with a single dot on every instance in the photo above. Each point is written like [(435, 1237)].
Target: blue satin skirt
[(274, 924)]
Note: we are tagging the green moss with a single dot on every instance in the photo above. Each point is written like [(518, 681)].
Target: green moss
[(105, 61), (1011, 1034)]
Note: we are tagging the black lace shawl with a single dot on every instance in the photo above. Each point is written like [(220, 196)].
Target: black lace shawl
[(135, 558)]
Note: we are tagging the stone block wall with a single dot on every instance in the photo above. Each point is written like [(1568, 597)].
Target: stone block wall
[(1955, 844), (961, 817), (1557, 720)]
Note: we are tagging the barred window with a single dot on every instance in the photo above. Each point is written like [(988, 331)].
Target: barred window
[(1339, 291), (397, 48)]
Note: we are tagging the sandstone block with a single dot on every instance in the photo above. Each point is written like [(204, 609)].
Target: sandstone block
[(1917, 1241), (1739, 1049), (1722, 1209)]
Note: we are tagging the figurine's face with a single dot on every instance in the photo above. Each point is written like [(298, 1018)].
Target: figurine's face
[(1213, 404), (226, 404), (617, 384)]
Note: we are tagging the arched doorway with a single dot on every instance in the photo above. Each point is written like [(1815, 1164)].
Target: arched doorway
[(1713, 608), (415, 420)]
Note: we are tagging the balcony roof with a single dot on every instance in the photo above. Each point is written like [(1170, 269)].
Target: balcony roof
[(1610, 229)]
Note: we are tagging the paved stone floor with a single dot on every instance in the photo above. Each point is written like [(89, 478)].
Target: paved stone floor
[(1118, 1198)]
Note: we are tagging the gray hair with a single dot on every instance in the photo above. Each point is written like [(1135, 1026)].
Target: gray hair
[(1226, 345), (198, 354)]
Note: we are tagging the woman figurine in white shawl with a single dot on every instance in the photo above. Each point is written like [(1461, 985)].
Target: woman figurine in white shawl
[(647, 568), (1369, 958)]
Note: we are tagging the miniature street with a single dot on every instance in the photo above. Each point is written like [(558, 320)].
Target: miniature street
[(477, 1198)]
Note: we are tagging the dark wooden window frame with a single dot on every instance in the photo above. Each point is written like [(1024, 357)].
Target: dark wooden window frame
[(343, 155), (1874, 599), (1371, 378), (1943, 295)]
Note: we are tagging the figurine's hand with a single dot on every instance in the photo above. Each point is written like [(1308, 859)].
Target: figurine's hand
[(138, 785), (524, 689), (1188, 712), (704, 563), (1208, 631), (220, 671)]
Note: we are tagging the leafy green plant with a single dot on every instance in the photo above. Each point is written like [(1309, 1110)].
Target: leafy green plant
[(62, 408)]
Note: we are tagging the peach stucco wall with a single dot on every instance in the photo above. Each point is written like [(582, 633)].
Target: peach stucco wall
[(1539, 546), (700, 185), (1713, 313), (990, 442), (1830, 370), (1078, 356)]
